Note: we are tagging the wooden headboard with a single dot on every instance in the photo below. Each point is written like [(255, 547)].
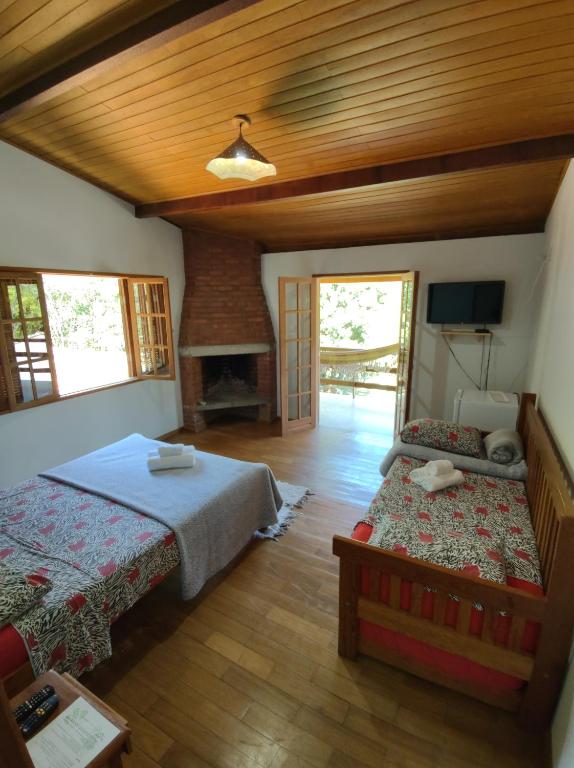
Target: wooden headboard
[(552, 514), (548, 486)]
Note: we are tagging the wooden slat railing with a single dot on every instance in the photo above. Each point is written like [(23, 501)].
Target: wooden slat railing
[(481, 648)]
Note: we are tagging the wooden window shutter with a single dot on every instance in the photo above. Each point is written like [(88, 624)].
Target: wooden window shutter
[(151, 331), (27, 371)]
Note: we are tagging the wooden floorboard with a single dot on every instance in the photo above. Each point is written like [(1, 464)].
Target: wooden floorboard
[(247, 675)]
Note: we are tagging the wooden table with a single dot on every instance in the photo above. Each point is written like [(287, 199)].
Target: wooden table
[(68, 691)]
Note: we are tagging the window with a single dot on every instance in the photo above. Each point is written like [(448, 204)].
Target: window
[(63, 334)]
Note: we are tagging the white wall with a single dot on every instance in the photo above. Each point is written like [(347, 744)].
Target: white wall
[(551, 375), (51, 219), (436, 378)]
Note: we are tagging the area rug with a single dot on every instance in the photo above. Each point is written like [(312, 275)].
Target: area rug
[(294, 496)]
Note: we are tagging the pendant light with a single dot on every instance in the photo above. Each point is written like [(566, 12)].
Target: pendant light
[(240, 160)]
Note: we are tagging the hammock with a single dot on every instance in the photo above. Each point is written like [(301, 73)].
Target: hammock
[(338, 356)]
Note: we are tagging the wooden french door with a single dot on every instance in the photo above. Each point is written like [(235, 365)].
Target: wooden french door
[(406, 348), (298, 336)]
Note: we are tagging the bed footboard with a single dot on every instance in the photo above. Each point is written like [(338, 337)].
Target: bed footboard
[(485, 648)]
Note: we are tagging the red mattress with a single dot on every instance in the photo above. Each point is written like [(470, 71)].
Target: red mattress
[(13, 653), (449, 663)]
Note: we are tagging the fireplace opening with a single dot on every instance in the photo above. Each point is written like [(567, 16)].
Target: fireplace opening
[(238, 383), (228, 376), (230, 383)]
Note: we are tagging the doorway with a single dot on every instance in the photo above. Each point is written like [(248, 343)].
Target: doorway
[(346, 351)]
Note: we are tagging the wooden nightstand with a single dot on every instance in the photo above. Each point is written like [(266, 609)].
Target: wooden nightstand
[(68, 691)]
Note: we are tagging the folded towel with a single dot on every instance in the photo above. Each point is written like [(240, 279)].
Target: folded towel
[(157, 452), (438, 467), (503, 446), (436, 482), (171, 450), (183, 461)]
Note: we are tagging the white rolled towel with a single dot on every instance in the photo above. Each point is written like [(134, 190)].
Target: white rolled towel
[(438, 467), (171, 450), (183, 461), (434, 483)]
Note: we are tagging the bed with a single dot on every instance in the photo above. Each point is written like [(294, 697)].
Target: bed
[(104, 531), (505, 642)]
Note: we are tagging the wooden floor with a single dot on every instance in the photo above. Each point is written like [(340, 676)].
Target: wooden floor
[(247, 676)]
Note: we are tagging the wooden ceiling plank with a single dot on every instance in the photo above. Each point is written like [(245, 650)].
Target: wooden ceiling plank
[(217, 66), (139, 141), (36, 23), (84, 18), (482, 41), (537, 30), (143, 117), (369, 104), (148, 151), (410, 24), (354, 120), (348, 159), (397, 193), (410, 32), (337, 36), (336, 23), (429, 235), (114, 83), (17, 13), (174, 168), (157, 30), (557, 147), (68, 34), (383, 213)]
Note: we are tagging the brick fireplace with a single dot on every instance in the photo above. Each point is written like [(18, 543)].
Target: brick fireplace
[(226, 342)]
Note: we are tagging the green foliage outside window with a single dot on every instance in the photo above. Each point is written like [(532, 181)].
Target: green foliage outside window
[(84, 313)]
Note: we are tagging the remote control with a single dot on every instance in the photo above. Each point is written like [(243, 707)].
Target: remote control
[(27, 707), (39, 716)]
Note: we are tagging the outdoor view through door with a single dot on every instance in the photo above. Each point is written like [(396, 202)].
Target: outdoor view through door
[(360, 351)]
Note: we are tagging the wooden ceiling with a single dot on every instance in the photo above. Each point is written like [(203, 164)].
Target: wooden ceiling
[(38, 34), (331, 86), (468, 204)]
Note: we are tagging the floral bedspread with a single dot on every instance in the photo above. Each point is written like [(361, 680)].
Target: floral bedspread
[(100, 556), (482, 527)]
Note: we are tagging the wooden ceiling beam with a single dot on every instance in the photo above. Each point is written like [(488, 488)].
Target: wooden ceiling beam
[(157, 30), (520, 152)]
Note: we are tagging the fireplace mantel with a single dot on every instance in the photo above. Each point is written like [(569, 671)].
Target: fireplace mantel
[(210, 350)]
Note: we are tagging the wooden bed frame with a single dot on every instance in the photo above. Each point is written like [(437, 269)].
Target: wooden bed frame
[(552, 512)]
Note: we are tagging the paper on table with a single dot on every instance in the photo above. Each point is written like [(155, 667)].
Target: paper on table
[(73, 738)]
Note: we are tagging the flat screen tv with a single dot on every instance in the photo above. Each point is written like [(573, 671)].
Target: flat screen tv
[(466, 303)]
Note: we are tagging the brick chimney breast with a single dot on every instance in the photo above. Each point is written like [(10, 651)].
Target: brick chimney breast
[(224, 305)]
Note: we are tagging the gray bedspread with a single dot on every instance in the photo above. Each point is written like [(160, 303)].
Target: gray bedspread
[(480, 466), (213, 508)]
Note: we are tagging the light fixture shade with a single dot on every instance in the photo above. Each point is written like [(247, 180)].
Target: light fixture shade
[(241, 161)]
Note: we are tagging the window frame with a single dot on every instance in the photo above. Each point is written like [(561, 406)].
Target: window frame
[(128, 311)]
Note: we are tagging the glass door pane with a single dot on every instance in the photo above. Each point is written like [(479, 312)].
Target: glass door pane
[(298, 308)]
